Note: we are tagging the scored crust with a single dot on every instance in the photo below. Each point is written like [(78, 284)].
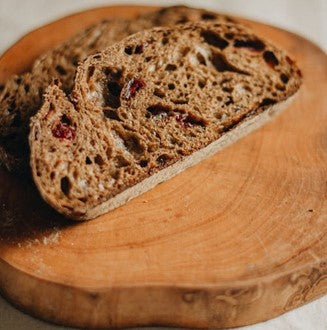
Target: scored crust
[(148, 107)]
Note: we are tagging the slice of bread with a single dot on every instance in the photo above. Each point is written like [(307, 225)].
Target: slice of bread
[(150, 106), (22, 95)]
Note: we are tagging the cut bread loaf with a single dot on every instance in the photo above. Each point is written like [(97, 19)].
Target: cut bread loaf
[(22, 95), (148, 107)]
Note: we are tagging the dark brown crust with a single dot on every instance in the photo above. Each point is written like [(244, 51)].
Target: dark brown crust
[(134, 116)]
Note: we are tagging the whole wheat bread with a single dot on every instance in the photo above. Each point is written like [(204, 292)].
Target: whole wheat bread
[(148, 107), (21, 96)]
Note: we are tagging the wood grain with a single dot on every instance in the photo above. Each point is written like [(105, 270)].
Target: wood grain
[(237, 239)]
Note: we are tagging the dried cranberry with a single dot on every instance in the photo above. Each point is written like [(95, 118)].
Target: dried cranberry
[(133, 86), (63, 131)]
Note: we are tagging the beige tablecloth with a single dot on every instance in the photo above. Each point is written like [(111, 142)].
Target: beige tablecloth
[(306, 17)]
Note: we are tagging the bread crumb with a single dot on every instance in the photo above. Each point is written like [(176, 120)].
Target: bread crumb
[(50, 239)]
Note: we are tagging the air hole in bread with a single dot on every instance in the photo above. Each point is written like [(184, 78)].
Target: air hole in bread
[(88, 160), (74, 60), (208, 16), (64, 119), (65, 185), (158, 109), (26, 88), (129, 50), (52, 175), (221, 64), (229, 101), (163, 159), (60, 69), (83, 199), (184, 51), (171, 86), (270, 58), (284, 78), (214, 39), (11, 106), (170, 67), (201, 58), (229, 35), (111, 114), (17, 121), (112, 94), (148, 59), (219, 115), (115, 175), (143, 163), (267, 101), (189, 120), (251, 44), (138, 49), (227, 89), (164, 41), (98, 160), (280, 87), (201, 83), (2, 88), (179, 101), (122, 161), (90, 72), (247, 88), (159, 93), (133, 145), (219, 98)]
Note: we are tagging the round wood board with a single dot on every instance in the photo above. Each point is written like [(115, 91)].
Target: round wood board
[(237, 239)]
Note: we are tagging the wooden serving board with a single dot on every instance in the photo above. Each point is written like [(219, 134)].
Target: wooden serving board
[(237, 239)]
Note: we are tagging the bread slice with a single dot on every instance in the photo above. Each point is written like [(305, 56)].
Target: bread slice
[(22, 95), (150, 106)]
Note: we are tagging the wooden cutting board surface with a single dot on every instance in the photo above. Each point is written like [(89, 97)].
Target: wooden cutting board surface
[(237, 239)]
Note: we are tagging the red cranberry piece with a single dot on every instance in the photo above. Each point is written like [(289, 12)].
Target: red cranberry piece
[(133, 86), (63, 131)]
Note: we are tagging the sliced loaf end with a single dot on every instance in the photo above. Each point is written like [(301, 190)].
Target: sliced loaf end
[(150, 106)]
